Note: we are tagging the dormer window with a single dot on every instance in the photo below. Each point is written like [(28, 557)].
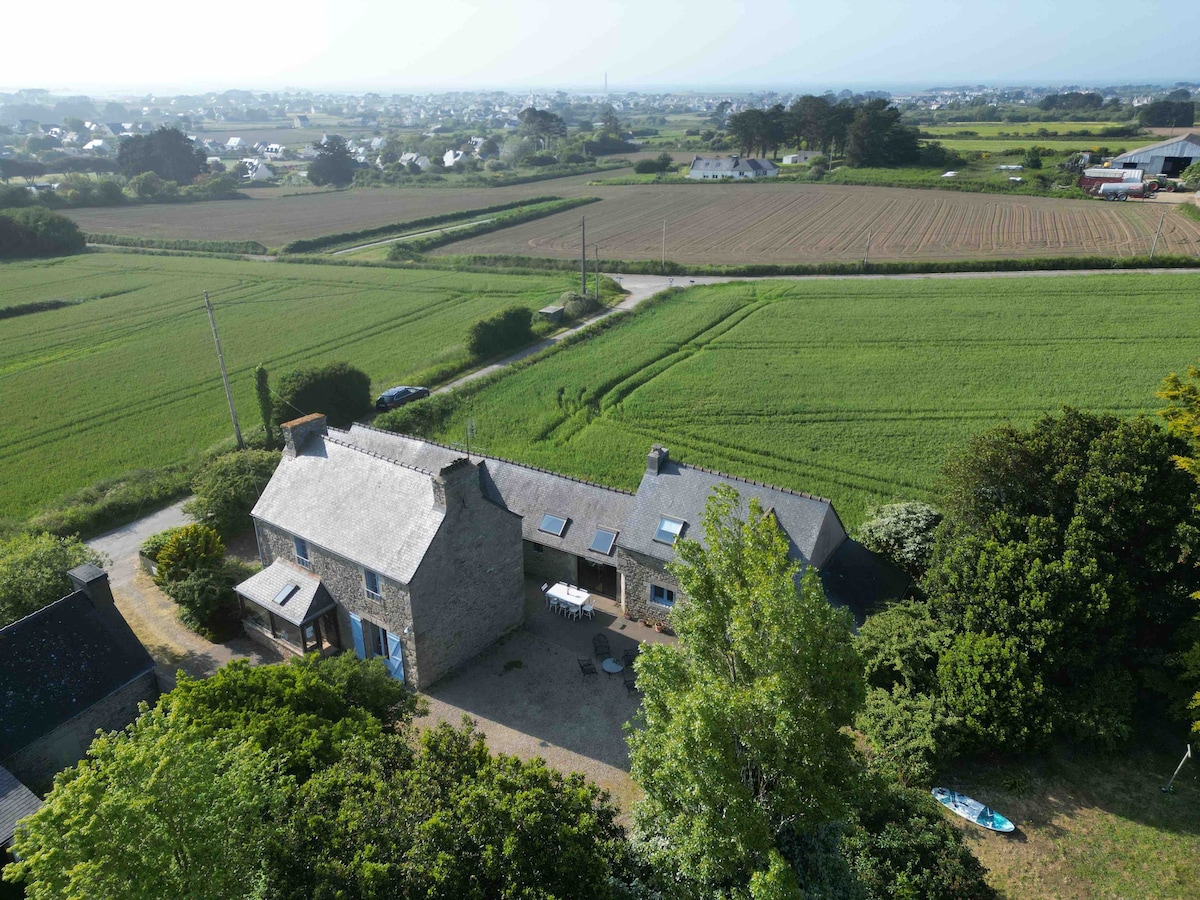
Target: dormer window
[(371, 584), (552, 524), (669, 530)]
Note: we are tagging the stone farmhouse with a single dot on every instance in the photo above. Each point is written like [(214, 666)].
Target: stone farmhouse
[(67, 670), (411, 551), (731, 167)]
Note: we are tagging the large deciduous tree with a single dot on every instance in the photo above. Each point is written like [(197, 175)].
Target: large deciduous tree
[(1058, 587), (334, 164), (190, 800), (168, 153), (740, 740)]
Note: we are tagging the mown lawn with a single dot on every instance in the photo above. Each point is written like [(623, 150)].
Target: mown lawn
[(854, 390), (1089, 826), (128, 377)]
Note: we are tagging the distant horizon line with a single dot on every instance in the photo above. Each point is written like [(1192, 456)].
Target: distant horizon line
[(598, 88)]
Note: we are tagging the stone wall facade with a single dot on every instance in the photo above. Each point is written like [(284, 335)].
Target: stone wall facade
[(549, 564), (639, 572), (470, 588), (36, 764), (343, 578)]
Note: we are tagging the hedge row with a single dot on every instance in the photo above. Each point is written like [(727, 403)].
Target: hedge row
[(121, 240), (309, 245), (526, 213), (896, 267), (24, 309)]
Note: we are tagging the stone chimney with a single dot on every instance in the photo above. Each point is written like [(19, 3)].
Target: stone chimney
[(297, 431), (93, 581), (656, 460), (455, 485)]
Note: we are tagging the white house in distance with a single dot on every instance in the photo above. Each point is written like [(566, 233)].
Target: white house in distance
[(731, 167), (800, 157)]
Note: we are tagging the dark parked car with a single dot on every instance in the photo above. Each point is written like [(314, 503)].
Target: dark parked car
[(398, 396)]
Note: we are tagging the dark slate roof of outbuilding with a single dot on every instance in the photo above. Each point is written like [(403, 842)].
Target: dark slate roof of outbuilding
[(16, 802), (60, 660), (525, 490), (681, 492)]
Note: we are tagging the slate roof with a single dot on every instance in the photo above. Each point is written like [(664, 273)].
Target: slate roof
[(525, 490), (16, 802), (364, 507), (57, 662), (307, 601), (681, 492), (733, 164)]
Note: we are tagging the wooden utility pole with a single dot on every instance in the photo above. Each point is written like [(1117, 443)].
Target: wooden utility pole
[(867, 254), (596, 280), (583, 253), (212, 320), (1157, 232), (664, 246)]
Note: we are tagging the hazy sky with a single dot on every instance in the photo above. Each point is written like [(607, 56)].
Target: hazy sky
[(389, 45)]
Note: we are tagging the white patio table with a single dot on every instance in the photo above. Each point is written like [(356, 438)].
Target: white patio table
[(570, 595)]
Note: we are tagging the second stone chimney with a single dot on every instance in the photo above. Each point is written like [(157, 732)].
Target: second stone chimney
[(297, 431), (93, 581), (656, 460), (456, 485)]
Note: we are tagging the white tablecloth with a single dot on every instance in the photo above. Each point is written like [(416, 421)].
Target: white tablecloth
[(569, 594)]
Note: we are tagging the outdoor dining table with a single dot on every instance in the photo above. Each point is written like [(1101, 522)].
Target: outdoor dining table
[(569, 594)]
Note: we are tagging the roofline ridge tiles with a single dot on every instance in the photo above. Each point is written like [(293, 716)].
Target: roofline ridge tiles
[(511, 462), (774, 487), (380, 456)]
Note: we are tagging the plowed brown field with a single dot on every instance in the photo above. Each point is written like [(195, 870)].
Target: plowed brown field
[(273, 218), (782, 223)]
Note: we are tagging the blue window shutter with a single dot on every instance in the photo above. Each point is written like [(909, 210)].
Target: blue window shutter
[(395, 660), (356, 630)]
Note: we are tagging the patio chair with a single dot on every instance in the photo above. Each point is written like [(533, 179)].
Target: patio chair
[(570, 610), (630, 682), (586, 668), (629, 657), (589, 609), (600, 646)]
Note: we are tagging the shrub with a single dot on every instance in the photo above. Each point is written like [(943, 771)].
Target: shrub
[(903, 532), (206, 600), (507, 330), (35, 231), (153, 545), (192, 548), (33, 571), (340, 392), (228, 487), (420, 419)]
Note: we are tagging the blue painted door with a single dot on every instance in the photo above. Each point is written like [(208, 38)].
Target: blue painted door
[(395, 660), (356, 631)]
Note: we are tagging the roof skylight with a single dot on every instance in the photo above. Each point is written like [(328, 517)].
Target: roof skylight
[(668, 530), (552, 524), (603, 541)]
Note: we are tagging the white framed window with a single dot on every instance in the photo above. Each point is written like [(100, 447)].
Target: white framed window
[(668, 530), (302, 553), (380, 643), (663, 596), (371, 583)]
